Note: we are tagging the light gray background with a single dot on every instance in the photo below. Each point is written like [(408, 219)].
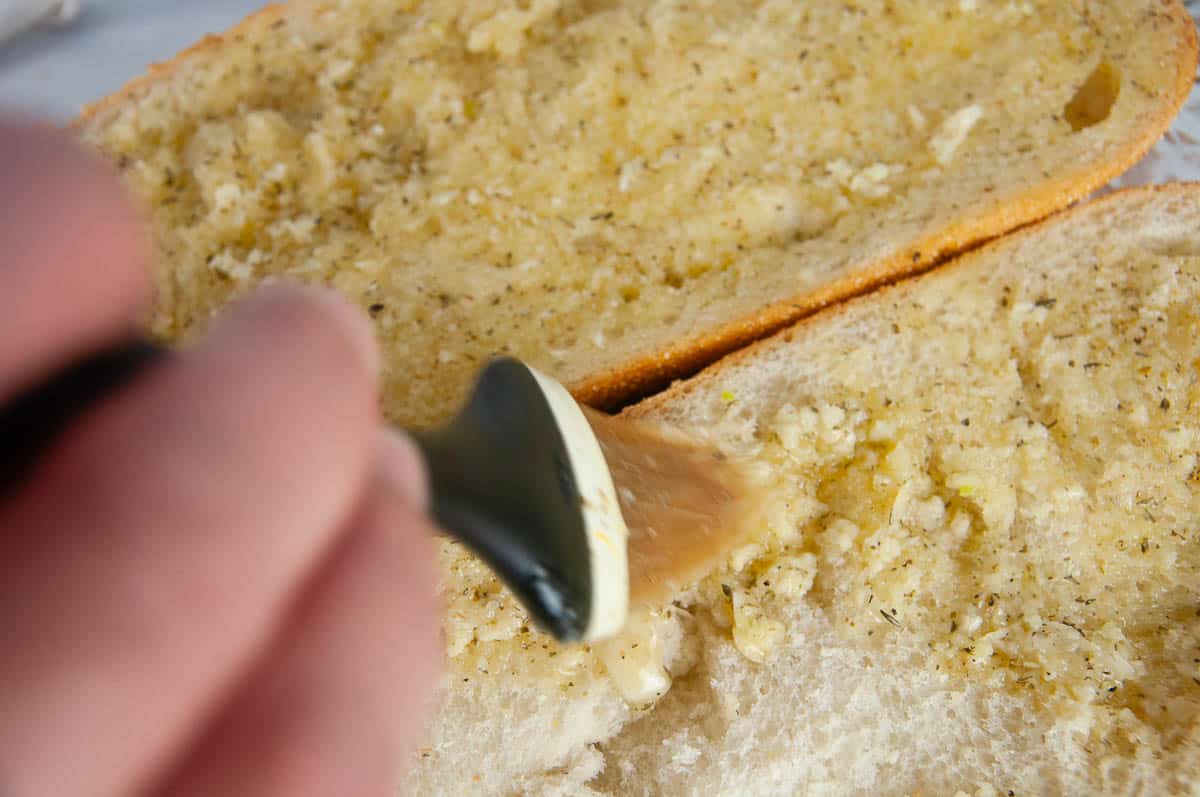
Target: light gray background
[(51, 72)]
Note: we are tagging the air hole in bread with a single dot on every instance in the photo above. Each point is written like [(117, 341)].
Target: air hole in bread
[(1095, 98)]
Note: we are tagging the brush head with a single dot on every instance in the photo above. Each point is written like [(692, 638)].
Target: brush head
[(660, 509), (579, 513), (686, 504)]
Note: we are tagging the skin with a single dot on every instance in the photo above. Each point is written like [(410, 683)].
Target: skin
[(219, 580)]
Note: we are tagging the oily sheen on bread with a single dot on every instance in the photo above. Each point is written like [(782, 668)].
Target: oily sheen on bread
[(990, 477), (980, 569), (619, 192)]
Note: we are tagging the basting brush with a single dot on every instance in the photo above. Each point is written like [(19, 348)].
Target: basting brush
[(581, 514)]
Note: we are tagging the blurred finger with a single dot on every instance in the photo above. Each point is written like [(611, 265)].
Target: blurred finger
[(337, 706), (149, 560), (75, 270)]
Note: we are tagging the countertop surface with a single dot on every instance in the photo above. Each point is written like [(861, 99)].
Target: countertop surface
[(52, 71)]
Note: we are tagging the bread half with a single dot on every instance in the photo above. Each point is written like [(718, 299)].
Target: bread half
[(983, 569), (620, 192), (979, 569)]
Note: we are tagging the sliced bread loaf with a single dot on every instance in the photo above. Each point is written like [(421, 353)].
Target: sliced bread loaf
[(619, 192), (983, 571), (980, 569)]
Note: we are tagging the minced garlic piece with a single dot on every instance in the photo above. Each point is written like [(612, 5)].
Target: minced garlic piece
[(754, 633), (872, 181), (788, 577), (634, 660), (953, 132)]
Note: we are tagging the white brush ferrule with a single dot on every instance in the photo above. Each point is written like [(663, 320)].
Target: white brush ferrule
[(607, 534)]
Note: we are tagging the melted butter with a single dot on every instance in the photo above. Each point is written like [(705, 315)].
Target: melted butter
[(634, 660), (1020, 496)]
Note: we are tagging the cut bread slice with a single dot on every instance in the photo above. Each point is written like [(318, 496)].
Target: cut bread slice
[(619, 192), (983, 572), (981, 564), (980, 569)]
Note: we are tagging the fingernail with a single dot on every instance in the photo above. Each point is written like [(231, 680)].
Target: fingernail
[(404, 468)]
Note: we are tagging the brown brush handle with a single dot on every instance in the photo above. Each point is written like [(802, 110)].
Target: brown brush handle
[(32, 421)]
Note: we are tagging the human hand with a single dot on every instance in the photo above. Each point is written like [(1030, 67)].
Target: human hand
[(219, 581)]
